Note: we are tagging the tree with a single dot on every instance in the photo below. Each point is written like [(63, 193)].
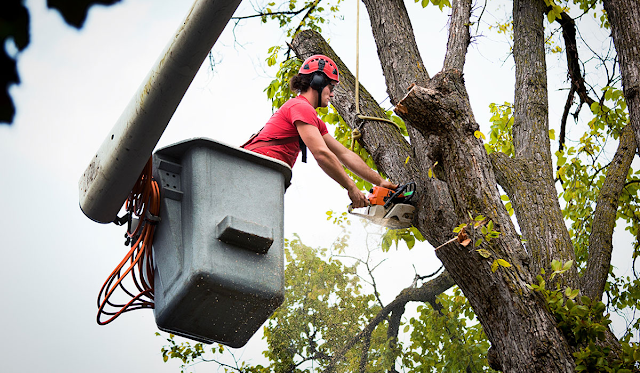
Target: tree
[(14, 26), (536, 287), (442, 132), (332, 309)]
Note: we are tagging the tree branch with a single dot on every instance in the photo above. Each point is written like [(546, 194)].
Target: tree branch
[(364, 356), (535, 200), (573, 61), (459, 37), (403, 67), (425, 293), (624, 16), (267, 14), (565, 115), (573, 67), (604, 220)]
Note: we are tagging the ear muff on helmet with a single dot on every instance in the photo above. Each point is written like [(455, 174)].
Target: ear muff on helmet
[(318, 81)]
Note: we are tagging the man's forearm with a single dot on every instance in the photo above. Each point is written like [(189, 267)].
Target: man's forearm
[(354, 163), (331, 165)]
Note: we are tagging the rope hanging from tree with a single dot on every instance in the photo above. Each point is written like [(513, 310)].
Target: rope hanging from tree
[(356, 133)]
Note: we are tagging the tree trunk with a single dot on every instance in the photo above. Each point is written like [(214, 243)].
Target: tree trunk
[(514, 318), (624, 17), (530, 182)]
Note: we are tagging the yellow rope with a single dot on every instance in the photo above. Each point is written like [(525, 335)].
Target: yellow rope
[(358, 59)]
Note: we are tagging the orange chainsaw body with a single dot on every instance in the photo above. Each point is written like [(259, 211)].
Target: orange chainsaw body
[(380, 196), (388, 207)]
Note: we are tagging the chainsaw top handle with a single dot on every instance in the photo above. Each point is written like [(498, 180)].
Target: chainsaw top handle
[(409, 187)]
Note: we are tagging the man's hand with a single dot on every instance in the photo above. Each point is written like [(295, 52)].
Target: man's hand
[(388, 185), (358, 198)]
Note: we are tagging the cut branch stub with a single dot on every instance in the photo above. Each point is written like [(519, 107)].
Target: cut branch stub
[(436, 108)]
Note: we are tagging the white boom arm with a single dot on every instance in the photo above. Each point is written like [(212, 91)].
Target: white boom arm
[(111, 174)]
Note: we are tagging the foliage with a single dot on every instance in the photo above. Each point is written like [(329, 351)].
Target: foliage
[(624, 295), (584, 323), (393, 237), (190, 354), (500, 138), (439, 3), (486, 234), (447, 339), (324, 307), (292, 17), (278, 90), (581, 172)]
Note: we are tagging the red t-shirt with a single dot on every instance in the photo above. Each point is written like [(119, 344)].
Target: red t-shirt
[(281, 125)]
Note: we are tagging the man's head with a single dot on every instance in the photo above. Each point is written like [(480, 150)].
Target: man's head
[(317, 72)]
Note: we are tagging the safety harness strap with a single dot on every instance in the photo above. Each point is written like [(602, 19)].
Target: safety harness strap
[(286, 140)]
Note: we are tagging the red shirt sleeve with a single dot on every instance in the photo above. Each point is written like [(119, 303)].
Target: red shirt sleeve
[(304, 112)]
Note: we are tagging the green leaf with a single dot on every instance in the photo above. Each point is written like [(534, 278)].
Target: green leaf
[(494, 266), (484, 253), (573, 294), (567, 265), (503, 263)]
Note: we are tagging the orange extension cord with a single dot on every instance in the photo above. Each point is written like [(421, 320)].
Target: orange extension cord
[(144, 203)]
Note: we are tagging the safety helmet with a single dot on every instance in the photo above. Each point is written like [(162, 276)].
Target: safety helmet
[(320, 63)]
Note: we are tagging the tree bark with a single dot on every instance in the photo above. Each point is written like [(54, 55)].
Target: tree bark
[(514, 318), (402, 67), (535, 201), (604, 219), (624, 17)]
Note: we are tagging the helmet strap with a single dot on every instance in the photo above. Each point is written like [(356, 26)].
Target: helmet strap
[(319, 90)]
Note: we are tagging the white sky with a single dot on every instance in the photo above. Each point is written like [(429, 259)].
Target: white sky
[(75, 84)]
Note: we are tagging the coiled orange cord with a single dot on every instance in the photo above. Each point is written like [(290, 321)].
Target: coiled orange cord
[(144, 204)]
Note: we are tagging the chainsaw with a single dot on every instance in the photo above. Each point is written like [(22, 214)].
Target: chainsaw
[(388, 207)]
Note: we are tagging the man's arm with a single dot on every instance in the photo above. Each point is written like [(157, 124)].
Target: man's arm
[(353, 162), (329, 162)]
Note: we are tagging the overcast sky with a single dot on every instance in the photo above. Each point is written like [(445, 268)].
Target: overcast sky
[(74, 86)]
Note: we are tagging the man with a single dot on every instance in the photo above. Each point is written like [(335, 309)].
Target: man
[(296, 125)]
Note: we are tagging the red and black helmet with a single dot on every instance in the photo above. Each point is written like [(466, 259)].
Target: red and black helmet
[(322, 64)]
